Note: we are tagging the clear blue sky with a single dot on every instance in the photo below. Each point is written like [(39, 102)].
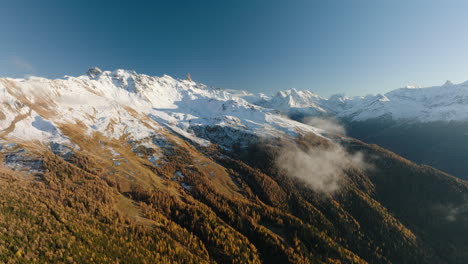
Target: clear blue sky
[(354, 47)]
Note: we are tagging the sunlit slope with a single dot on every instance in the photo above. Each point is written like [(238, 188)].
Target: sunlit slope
[(200, 204), (117, 167)]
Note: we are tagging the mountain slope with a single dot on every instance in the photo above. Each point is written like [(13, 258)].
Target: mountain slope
[(120, 167), (443, 145)]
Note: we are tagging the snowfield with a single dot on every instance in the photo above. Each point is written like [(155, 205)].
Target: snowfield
[(126, 104), (123, 104)]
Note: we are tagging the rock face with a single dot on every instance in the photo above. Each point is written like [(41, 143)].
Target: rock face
[(93, 72), (20, 161)]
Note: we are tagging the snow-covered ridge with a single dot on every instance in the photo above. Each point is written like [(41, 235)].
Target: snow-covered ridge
[(448, 102), (123, 103)]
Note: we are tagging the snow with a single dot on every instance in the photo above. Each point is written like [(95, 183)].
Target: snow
[(294, 100), (123, 103), (448, 102)]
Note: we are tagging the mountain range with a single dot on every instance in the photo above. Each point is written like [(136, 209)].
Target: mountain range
[(121, 167), (410, 104), (426, 125)]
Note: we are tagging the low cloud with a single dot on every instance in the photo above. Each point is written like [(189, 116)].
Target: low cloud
[(329, 125), (321, 168), (453, 213)]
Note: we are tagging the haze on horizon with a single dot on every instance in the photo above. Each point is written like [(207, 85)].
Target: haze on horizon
[(353, 47)]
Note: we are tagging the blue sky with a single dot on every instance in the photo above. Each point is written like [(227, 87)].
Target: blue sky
[(355, 47)]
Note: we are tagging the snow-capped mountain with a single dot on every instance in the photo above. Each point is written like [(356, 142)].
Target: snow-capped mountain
[(426, 125), (123, 103), (293, 102), (121, 166), (448, 102)]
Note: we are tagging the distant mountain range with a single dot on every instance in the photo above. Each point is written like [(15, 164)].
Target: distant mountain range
[(120, 167), (427, 125), (439, 103)]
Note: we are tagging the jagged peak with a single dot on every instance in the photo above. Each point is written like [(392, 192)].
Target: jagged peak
[(93, 72), (296, 93), (284, 93), (448, 83), (291, 90), (338, 98)]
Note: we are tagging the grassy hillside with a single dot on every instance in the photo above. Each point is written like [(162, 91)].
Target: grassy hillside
[(208, 205)]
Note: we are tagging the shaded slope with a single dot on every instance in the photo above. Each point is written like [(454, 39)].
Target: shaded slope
[(431, 203), (443, 145)]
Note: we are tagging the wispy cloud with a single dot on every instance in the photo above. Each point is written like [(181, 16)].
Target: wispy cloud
[(22, 65), (321, 168), (330, 125), (454, 212)]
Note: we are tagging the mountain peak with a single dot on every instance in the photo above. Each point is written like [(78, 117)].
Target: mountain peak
[(292, 90), (448, 83), (93, 72)]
